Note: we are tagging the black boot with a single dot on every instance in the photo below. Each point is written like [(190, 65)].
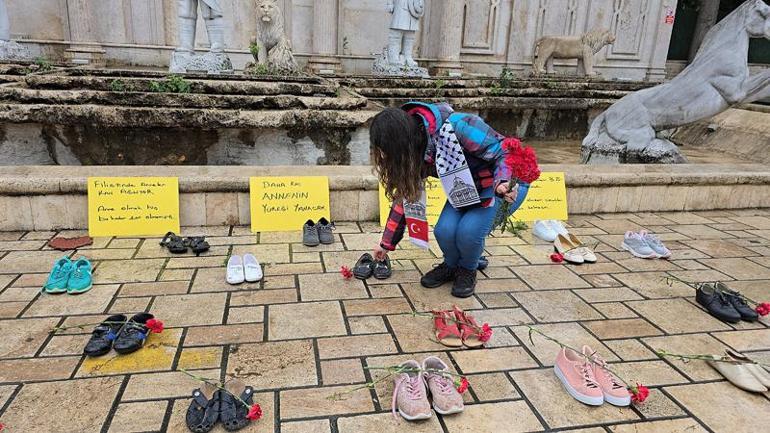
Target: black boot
[(465, 283)]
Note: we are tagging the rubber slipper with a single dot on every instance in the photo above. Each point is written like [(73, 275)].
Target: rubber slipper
[(233, 412), (174, 243), (204, 409), (198, 244), (382, 270), (364, 267), (445, 327)]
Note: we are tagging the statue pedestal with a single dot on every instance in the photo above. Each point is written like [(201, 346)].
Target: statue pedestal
[(381, 67), (10, 50), (86, 54), (210, 63)]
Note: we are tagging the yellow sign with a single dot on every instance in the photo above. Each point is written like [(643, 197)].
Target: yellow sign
[(435, 201), (546, 200), (133, 206), (285, 203)]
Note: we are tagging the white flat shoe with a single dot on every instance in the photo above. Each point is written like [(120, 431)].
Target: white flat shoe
[(235, 271), (570, 252), (582, 249), (251, 268)]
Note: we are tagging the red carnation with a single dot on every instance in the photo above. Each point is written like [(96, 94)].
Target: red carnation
[(155, 326), (486, 333), (763, 309), (346, 272), (557, 258), (462, 386), (639, 393), (255, 412), (2, 426)]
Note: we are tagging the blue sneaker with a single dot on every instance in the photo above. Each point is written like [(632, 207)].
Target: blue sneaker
[(59, 276), (80, 278)]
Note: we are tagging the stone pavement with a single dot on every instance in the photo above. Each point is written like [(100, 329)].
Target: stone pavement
[(304, 333)]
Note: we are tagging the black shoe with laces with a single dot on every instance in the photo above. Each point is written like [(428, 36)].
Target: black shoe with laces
[(465, 283), (739, 303), (717, 303), (437, 276), (325, 231), (133, 334), (104, 335)]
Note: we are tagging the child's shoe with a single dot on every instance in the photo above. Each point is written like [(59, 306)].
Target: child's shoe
[(615, 392), (59, 276), (104, 335), (410, 398), (446, 399), (80, 280), (637, 246), (577, 376), (655, 245), (133, 335)]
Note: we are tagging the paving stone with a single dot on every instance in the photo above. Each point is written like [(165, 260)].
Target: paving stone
[(746, 340), (157, 354), (498, 272), (384, 291), (367, 325), (265, 253), (94, 396), (555, 306), (5, 280), (11, 310), (177, 274), (200, 357), (293, 268), (307, 319), (690, 265), (305, 257), (675, 316), (658, 405), (23, 337), (246, 315), (386, 423), (622, 328), (684, 218), (213, 280), (37, 369), (494, 417), (359, 345), (22, 262), (280, 282), (363, 241), (617, 226), (110, 254), (323, 287), (700, 276), (383, 306), (399, 277), (493, 386), (630, 350), (497, 285), (190, 310), (414, 333), (170, 384), (436, 299), (266, 424), (65, 345), (128, 271), (138, 417), (154, 288), (315, 426), (95, 301), (124, 243), (480, 361), (614, 310), (739, 268), (342, 372), (224, 334), (685, 425), (316, 402), (282, 364), (501, 316), (549, 277), (263, 297), (690, 344), (698, 231), (208, 261), (649, 373), (608, 294), (635, 264), (601, 280), (31, 280), (129, 306), (534, 254), (702, 400), (5, 393), (497, 300), (571, 334), (655, 285)]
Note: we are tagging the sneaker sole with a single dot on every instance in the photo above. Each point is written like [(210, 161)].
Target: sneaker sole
[(635, 254), (416, 417), (448, 412), (55, 291), (585, 399), (77, 292), (618, 401)]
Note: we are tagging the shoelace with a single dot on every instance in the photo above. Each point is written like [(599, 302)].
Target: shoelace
[(603, 364), (587, 373), (444, 384), (413, 391), (132, 328)]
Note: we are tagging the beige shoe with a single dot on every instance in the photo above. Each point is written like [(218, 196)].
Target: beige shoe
[(738, 375), (588, 255), (446, 399), (410, 397), (760, 373), (563, 246)]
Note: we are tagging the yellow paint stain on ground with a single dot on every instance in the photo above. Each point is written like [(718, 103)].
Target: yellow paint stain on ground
[(200, 357), (157, 354)]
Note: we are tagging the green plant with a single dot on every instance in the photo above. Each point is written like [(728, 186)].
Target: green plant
[(43, 65), (260, 69), (507, 77), (117, 85), (438, 85), (171, 84), (516, 227), (254, 49)]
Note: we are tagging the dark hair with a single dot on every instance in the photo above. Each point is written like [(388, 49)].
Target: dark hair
[(398, 142)]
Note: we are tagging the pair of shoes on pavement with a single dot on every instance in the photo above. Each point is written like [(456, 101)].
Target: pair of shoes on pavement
[(456, 328), (464, 279), (177, 245), (589, 382), (724, 304), (410, 394), (742, 371), (211, 405), (314, 234), (366, 267), (645, 245), (240, 269), (572, 249), (122, 334), (70, 277)]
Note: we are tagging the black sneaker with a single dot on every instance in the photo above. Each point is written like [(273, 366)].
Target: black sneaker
[(483, 263), (325, 229), (739, 303), (437, 276), (465, 283), (310, 234), (133, 335), (103, 335), (717, 303)]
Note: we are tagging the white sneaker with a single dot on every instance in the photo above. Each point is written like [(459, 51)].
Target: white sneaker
[(558, 227), (235, 271), (252, 269), (544, 231)]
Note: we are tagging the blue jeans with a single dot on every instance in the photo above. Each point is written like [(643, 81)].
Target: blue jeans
[(461, 234)]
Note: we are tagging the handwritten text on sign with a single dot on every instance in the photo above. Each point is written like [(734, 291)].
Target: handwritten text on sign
[(132, 206), (286, 203), (435, 201), (547, 199)]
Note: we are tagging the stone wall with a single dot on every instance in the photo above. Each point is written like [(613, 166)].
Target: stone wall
[(472, 36)]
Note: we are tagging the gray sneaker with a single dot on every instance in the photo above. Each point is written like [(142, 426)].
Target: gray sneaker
[(325, 229), (310, 234), (635, 244), (655, 244)]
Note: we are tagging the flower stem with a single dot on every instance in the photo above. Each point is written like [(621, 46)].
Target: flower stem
[(214, 384), (83, 325), (715, 358)]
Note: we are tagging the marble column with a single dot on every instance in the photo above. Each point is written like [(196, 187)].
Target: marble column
[(84, 48), (450, 35), (323, 60)]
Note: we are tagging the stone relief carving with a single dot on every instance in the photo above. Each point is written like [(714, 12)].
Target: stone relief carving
[(582, 48), (274, 47), (9, 50), (397, 58), (184, 58), (631, 130)]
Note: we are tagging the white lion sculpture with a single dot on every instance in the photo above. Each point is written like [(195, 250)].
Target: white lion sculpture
[(581, 47), (717, 79), (274, 47)]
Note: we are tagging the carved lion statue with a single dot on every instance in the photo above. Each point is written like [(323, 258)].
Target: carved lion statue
[(274, 47), (582, 48)]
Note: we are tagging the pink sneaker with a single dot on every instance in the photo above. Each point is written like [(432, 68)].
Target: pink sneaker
[(410, 397), (446, 399), (577, 376), (615, 393)]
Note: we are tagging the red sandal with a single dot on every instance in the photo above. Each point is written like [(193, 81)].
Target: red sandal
[(445, 327), (473, 335)]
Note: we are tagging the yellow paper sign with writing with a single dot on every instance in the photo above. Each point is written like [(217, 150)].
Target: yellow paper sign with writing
[(133, 206), (546, 200), (435, 201), (286, 203)]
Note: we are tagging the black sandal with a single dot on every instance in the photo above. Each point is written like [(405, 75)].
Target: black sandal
[(174, 243), (383, 270), (198, 244), (364, 267), (232, 411), (204, 409)]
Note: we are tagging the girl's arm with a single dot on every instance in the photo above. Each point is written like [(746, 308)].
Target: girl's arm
[(480, 140), (394, 228)]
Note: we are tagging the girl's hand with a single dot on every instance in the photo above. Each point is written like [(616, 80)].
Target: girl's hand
[(502, 191), (380, 254)]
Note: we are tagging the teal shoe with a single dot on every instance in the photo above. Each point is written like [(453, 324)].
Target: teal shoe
[(80, 278), (59, 276)]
